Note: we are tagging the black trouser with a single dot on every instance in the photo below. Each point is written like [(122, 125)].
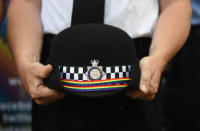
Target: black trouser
[(181, 101), (106, 114)]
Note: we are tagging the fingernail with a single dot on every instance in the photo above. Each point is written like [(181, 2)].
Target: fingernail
[(144, 88)]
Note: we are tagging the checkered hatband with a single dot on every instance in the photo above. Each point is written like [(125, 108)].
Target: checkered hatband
[(79, 73), (78, 78)]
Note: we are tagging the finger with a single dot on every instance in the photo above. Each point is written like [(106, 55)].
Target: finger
[(144, 81), (41, 101), (41, 91), (155, 81), (148, 97), (45, 92), (144, 85), (46, 101), (42, 71), (46, 70), (137, 94)]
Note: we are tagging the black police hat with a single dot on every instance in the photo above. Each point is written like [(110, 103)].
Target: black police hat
[(93, 60)]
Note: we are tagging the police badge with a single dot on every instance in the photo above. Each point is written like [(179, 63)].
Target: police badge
[(95, 72)]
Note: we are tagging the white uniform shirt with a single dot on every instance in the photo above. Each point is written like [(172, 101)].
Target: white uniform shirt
[(136, 17)]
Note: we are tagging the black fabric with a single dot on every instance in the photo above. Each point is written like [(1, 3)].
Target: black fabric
[(118, 113), (78, 45), (181, 96), (82, 43), (88, 11)]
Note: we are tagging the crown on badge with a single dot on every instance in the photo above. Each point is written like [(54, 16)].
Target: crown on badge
[(94, 62)]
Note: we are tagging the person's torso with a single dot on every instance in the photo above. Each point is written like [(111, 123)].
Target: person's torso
[(136, 17)]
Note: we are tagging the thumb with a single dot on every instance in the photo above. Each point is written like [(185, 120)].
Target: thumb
[(146, 75), (43, 71)]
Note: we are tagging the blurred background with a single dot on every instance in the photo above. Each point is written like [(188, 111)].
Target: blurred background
[(15, 104), (179, 86)]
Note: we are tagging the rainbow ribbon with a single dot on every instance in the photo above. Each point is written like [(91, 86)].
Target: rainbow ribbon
[(97, 85)]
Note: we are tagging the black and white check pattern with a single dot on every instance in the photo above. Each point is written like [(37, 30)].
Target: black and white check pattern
[(78, 73)]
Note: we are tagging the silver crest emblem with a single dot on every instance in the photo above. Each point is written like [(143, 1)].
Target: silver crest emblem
[(95, 72)]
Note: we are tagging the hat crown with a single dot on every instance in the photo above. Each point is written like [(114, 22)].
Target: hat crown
[(80, 44)]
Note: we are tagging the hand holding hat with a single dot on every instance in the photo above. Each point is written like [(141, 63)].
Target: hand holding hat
[(151, 70), (32, 75)]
